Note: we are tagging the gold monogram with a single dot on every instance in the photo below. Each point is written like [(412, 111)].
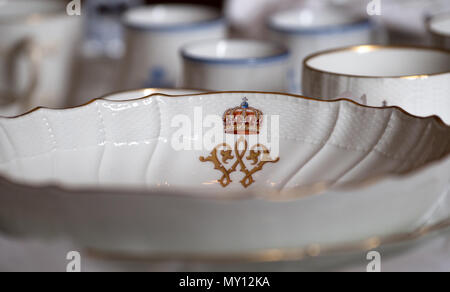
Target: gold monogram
[(258, 155)]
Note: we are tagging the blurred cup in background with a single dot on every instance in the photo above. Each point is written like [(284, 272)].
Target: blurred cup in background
[(104, 30), (405, 19), (38, 46), (417, 79), (305, 31), (155, 35), (235, 64), (439, 28)]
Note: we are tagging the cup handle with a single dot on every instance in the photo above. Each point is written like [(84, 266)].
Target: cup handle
[(27, 48)]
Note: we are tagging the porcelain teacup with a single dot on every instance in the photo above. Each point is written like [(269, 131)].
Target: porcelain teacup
[(307, 31), (413, 78), (439, 28), (37, 49), (236, 64), (156, 33)]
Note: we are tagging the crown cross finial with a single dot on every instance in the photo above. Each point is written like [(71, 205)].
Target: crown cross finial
[(244, 103)]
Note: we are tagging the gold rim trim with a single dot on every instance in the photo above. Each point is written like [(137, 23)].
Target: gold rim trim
[(209, 92), (278, 254), (371, 48), (263, 193)]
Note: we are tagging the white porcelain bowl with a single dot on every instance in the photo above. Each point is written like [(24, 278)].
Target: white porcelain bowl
[(118, 184)]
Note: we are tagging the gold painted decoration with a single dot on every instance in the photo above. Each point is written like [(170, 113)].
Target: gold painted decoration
[(243, 120), (220, 156)]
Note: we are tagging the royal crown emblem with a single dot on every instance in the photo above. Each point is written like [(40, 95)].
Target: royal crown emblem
[(243, 121)]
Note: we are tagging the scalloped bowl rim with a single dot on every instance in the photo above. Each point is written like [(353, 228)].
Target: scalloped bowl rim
[(261, 192)]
